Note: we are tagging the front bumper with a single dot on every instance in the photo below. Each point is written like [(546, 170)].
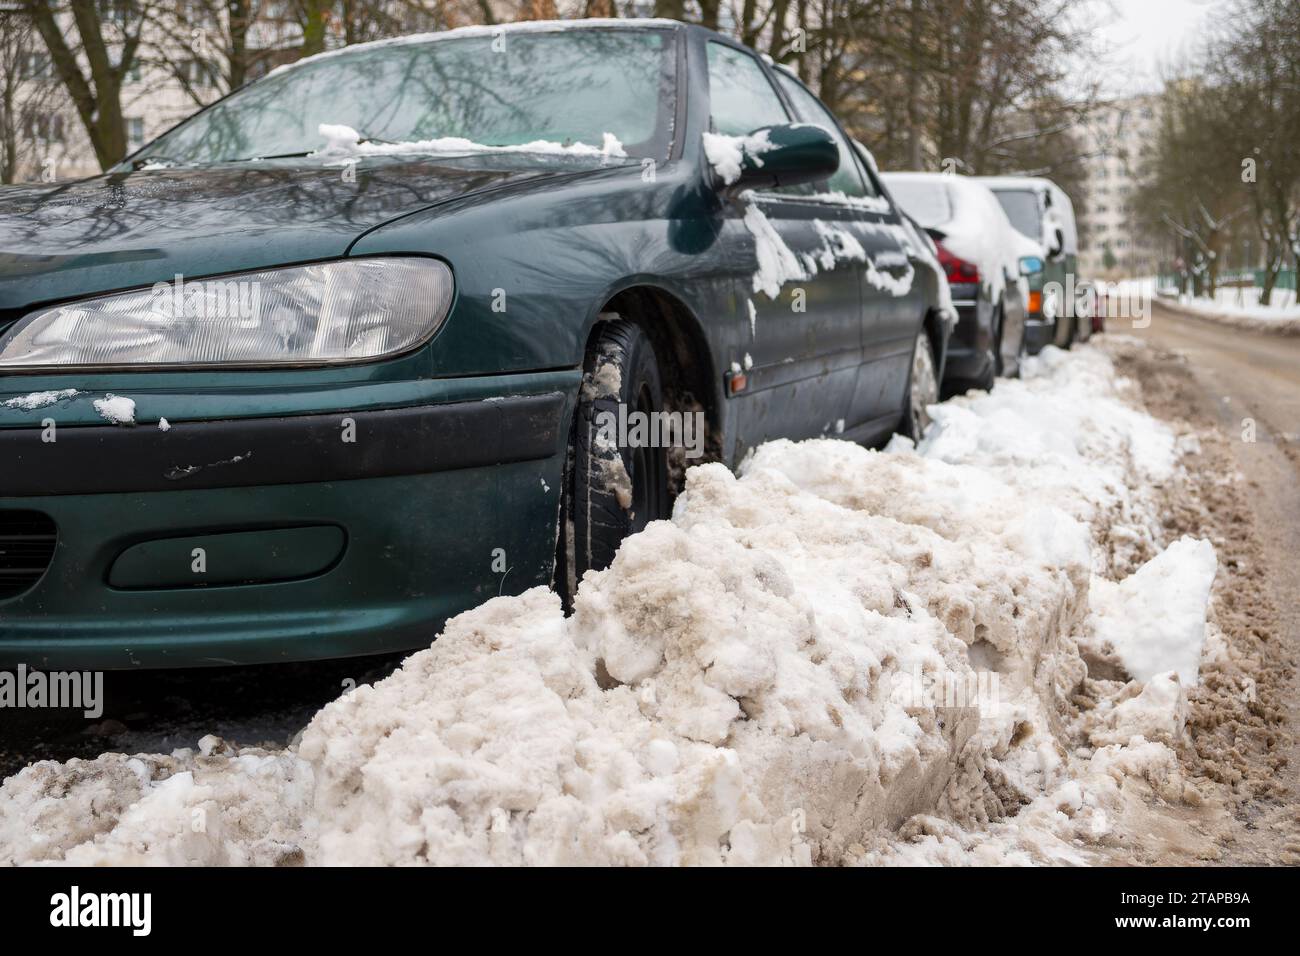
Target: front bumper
[(970, 347), (322, 535)]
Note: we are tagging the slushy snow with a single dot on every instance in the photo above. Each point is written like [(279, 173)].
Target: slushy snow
[(40, 399), (838, 656), (1154, 619)]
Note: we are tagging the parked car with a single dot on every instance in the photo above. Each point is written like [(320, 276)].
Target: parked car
[(1041, 211), (331, 360), (986, 262), (920, 239)]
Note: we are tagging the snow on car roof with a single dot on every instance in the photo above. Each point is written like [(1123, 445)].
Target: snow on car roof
[(480, 30), (1017, 182)]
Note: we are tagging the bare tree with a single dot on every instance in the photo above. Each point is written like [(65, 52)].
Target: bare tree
[(28, 94), (1256, 74), (92, 55)]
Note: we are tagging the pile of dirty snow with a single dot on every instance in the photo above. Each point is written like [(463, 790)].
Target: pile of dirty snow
[(836, 656)]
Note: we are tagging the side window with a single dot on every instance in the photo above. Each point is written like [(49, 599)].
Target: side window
[(741, 99), (847, 179)]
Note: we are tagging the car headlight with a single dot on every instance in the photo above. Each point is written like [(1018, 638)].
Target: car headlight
[(353, 310)]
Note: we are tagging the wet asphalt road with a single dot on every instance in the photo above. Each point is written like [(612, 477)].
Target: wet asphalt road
[(161, 711), (1253, 380)]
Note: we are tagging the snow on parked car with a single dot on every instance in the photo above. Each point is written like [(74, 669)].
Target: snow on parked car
[(985, 260)]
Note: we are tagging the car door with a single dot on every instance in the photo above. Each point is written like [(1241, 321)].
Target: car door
[(891, 303), (800, 348)]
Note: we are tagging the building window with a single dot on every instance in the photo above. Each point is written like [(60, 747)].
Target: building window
[(44, 127), (134, 133), (37, 65), (196, 73), (115, 11)]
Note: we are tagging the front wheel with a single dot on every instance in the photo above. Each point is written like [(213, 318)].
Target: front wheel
[(617, 478), (922, 389), (993, 367)]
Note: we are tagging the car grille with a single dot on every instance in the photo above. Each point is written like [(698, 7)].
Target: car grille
[(26, 547)]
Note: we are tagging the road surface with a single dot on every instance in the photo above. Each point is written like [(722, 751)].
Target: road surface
[(1244, 385)]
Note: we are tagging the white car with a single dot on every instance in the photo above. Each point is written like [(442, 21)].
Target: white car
[(1058, 302), (985, 260)]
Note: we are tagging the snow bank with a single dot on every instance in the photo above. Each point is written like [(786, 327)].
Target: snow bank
[(838, 656), (1243, 302), (1154, 620)]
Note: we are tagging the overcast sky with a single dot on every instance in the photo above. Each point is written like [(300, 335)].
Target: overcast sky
[(1141, 36)]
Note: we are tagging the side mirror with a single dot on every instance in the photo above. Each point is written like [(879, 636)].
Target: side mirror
[(1058, 244), (1031, 265), (786, 155)]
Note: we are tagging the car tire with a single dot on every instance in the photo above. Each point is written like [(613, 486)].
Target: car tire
[(611, 490), (987, 380), (1021, 354), (1068, 340), (922, 389)]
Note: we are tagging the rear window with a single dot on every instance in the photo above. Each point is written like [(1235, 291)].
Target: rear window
[(925, 200), (1021, 207)]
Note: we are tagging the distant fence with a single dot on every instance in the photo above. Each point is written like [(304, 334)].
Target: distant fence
[(1235, 277)]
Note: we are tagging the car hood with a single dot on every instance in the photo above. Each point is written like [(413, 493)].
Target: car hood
[(121, 230)]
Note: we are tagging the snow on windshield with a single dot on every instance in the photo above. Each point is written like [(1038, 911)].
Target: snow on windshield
[(343, 142)]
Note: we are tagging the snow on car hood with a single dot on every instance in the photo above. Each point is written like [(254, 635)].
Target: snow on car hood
[(805, 658)]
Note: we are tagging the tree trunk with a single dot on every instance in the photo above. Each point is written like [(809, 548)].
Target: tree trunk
[(315, 14), (670, 9), (914, 88), (98, 99), (239, 17)]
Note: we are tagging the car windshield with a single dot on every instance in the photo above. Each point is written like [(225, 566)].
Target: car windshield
[(567, 87), (925, 200), (1021, 207)]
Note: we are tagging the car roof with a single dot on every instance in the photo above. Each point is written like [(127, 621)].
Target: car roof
[(962, 183), (491, 30), (1017, 182)]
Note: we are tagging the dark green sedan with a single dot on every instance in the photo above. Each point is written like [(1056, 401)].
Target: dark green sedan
[(392, 331)]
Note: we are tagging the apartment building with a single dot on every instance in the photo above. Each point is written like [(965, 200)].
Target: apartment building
[(1121, 136)]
